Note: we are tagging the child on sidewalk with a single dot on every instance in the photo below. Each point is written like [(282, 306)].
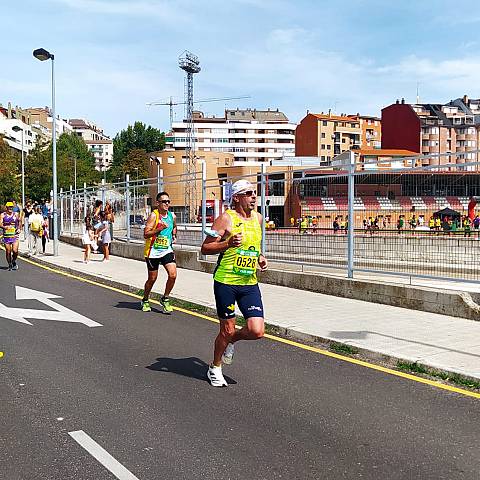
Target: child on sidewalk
[(88, 240)]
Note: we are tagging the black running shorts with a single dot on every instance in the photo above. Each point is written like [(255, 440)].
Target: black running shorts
[(154, 263)]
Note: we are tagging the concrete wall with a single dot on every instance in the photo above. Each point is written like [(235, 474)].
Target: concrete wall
[(457, 304)]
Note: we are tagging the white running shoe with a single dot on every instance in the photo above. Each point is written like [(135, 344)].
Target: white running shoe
[(227, 357), (215, 375)]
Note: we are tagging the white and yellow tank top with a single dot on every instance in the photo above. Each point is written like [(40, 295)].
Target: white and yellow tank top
[(238, 265)]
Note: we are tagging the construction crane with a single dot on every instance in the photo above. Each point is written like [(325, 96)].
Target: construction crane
[(171, 103)]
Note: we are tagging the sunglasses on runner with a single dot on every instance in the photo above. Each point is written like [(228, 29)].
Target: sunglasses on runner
[(165, 201), (248, 193)]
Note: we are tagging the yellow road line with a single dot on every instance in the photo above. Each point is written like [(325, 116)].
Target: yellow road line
[(320, 351)]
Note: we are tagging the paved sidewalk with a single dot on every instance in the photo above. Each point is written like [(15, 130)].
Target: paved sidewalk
[(447, 343)]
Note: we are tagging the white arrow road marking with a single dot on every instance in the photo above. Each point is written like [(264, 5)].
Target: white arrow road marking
[(102, 456), (58, 314)]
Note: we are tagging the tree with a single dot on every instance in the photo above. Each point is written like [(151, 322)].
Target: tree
[(71, 149), (10, 177), (136, 159), (38, 172), (136, 137), (73, 153)]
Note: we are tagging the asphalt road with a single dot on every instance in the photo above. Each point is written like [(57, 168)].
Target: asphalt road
[(136, 387)]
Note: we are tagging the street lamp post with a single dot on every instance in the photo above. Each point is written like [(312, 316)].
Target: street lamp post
[(135, 195), (42, 55)]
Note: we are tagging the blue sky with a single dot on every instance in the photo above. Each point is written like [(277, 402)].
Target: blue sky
[(114, 56)]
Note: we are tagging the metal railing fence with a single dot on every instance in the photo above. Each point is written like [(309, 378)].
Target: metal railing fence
[(412, 220)]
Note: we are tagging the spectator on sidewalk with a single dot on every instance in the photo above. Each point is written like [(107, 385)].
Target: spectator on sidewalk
[(36, 229), (88, 239), (45, 234), (103, 234), (27, 211)]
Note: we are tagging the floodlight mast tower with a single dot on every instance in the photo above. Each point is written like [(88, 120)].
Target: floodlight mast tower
[(190, 64)]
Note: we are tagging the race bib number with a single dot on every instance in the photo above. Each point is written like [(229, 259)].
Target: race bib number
[(245, 262), (161, 243), (10, 231)]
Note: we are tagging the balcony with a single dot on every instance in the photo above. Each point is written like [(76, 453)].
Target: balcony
[(461, 136)]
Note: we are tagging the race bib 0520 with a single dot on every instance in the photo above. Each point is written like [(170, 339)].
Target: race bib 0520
[(245, 262)]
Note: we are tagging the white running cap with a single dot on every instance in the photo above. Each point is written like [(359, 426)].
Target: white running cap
[(242, 186)]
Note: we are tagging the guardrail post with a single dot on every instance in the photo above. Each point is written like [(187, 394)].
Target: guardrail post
[(204, 198), (127, 204), (61, 210), (263, 204), (84, 200), (103, 192), (71, 211), (351, 217)]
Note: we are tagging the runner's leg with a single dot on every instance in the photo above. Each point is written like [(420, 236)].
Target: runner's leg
[(171, 269), (15, 252), (224, 337), (225, 296), (152, 278), (253, 330), (249, 301), (8, 253)]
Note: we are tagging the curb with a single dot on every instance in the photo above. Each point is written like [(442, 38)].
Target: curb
[(287, 333)]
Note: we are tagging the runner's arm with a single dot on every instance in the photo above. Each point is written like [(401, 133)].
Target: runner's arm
[(213, 245), (262, 261), (150, 230), (174, 231)]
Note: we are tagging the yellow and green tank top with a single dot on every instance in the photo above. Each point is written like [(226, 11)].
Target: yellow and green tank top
[(238, 265), (161, 244)]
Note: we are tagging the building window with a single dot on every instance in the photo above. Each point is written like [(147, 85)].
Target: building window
[(328, 147), (323, 135), (324, 123)]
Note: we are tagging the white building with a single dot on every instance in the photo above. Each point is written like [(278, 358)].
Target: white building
[(11, 125), (102, 151), (41, 120), (97, 142), (251, 135)]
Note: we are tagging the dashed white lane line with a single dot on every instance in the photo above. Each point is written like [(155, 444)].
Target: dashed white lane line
[(102, 456)]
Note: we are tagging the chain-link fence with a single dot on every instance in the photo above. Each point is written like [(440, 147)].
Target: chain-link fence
[(418, 221)]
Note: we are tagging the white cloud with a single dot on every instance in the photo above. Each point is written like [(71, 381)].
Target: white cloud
[(151, 8)]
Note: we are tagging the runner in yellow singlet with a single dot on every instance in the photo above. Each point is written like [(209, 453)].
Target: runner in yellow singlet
[(236, 235)]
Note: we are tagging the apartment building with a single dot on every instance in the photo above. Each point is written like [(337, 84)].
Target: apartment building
[(250, 135), (14, 121), (41, 119), (96, 140), (371, 131), (327, 135), (453, 127)]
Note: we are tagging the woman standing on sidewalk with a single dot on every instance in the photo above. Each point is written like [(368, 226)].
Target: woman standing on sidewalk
[(104, 234), (45, 236)]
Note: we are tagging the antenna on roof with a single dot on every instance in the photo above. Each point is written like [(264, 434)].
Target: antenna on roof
[(418, 94)]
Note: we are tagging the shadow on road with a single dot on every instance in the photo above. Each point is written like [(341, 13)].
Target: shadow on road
[(136, 306), (191, 367)]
